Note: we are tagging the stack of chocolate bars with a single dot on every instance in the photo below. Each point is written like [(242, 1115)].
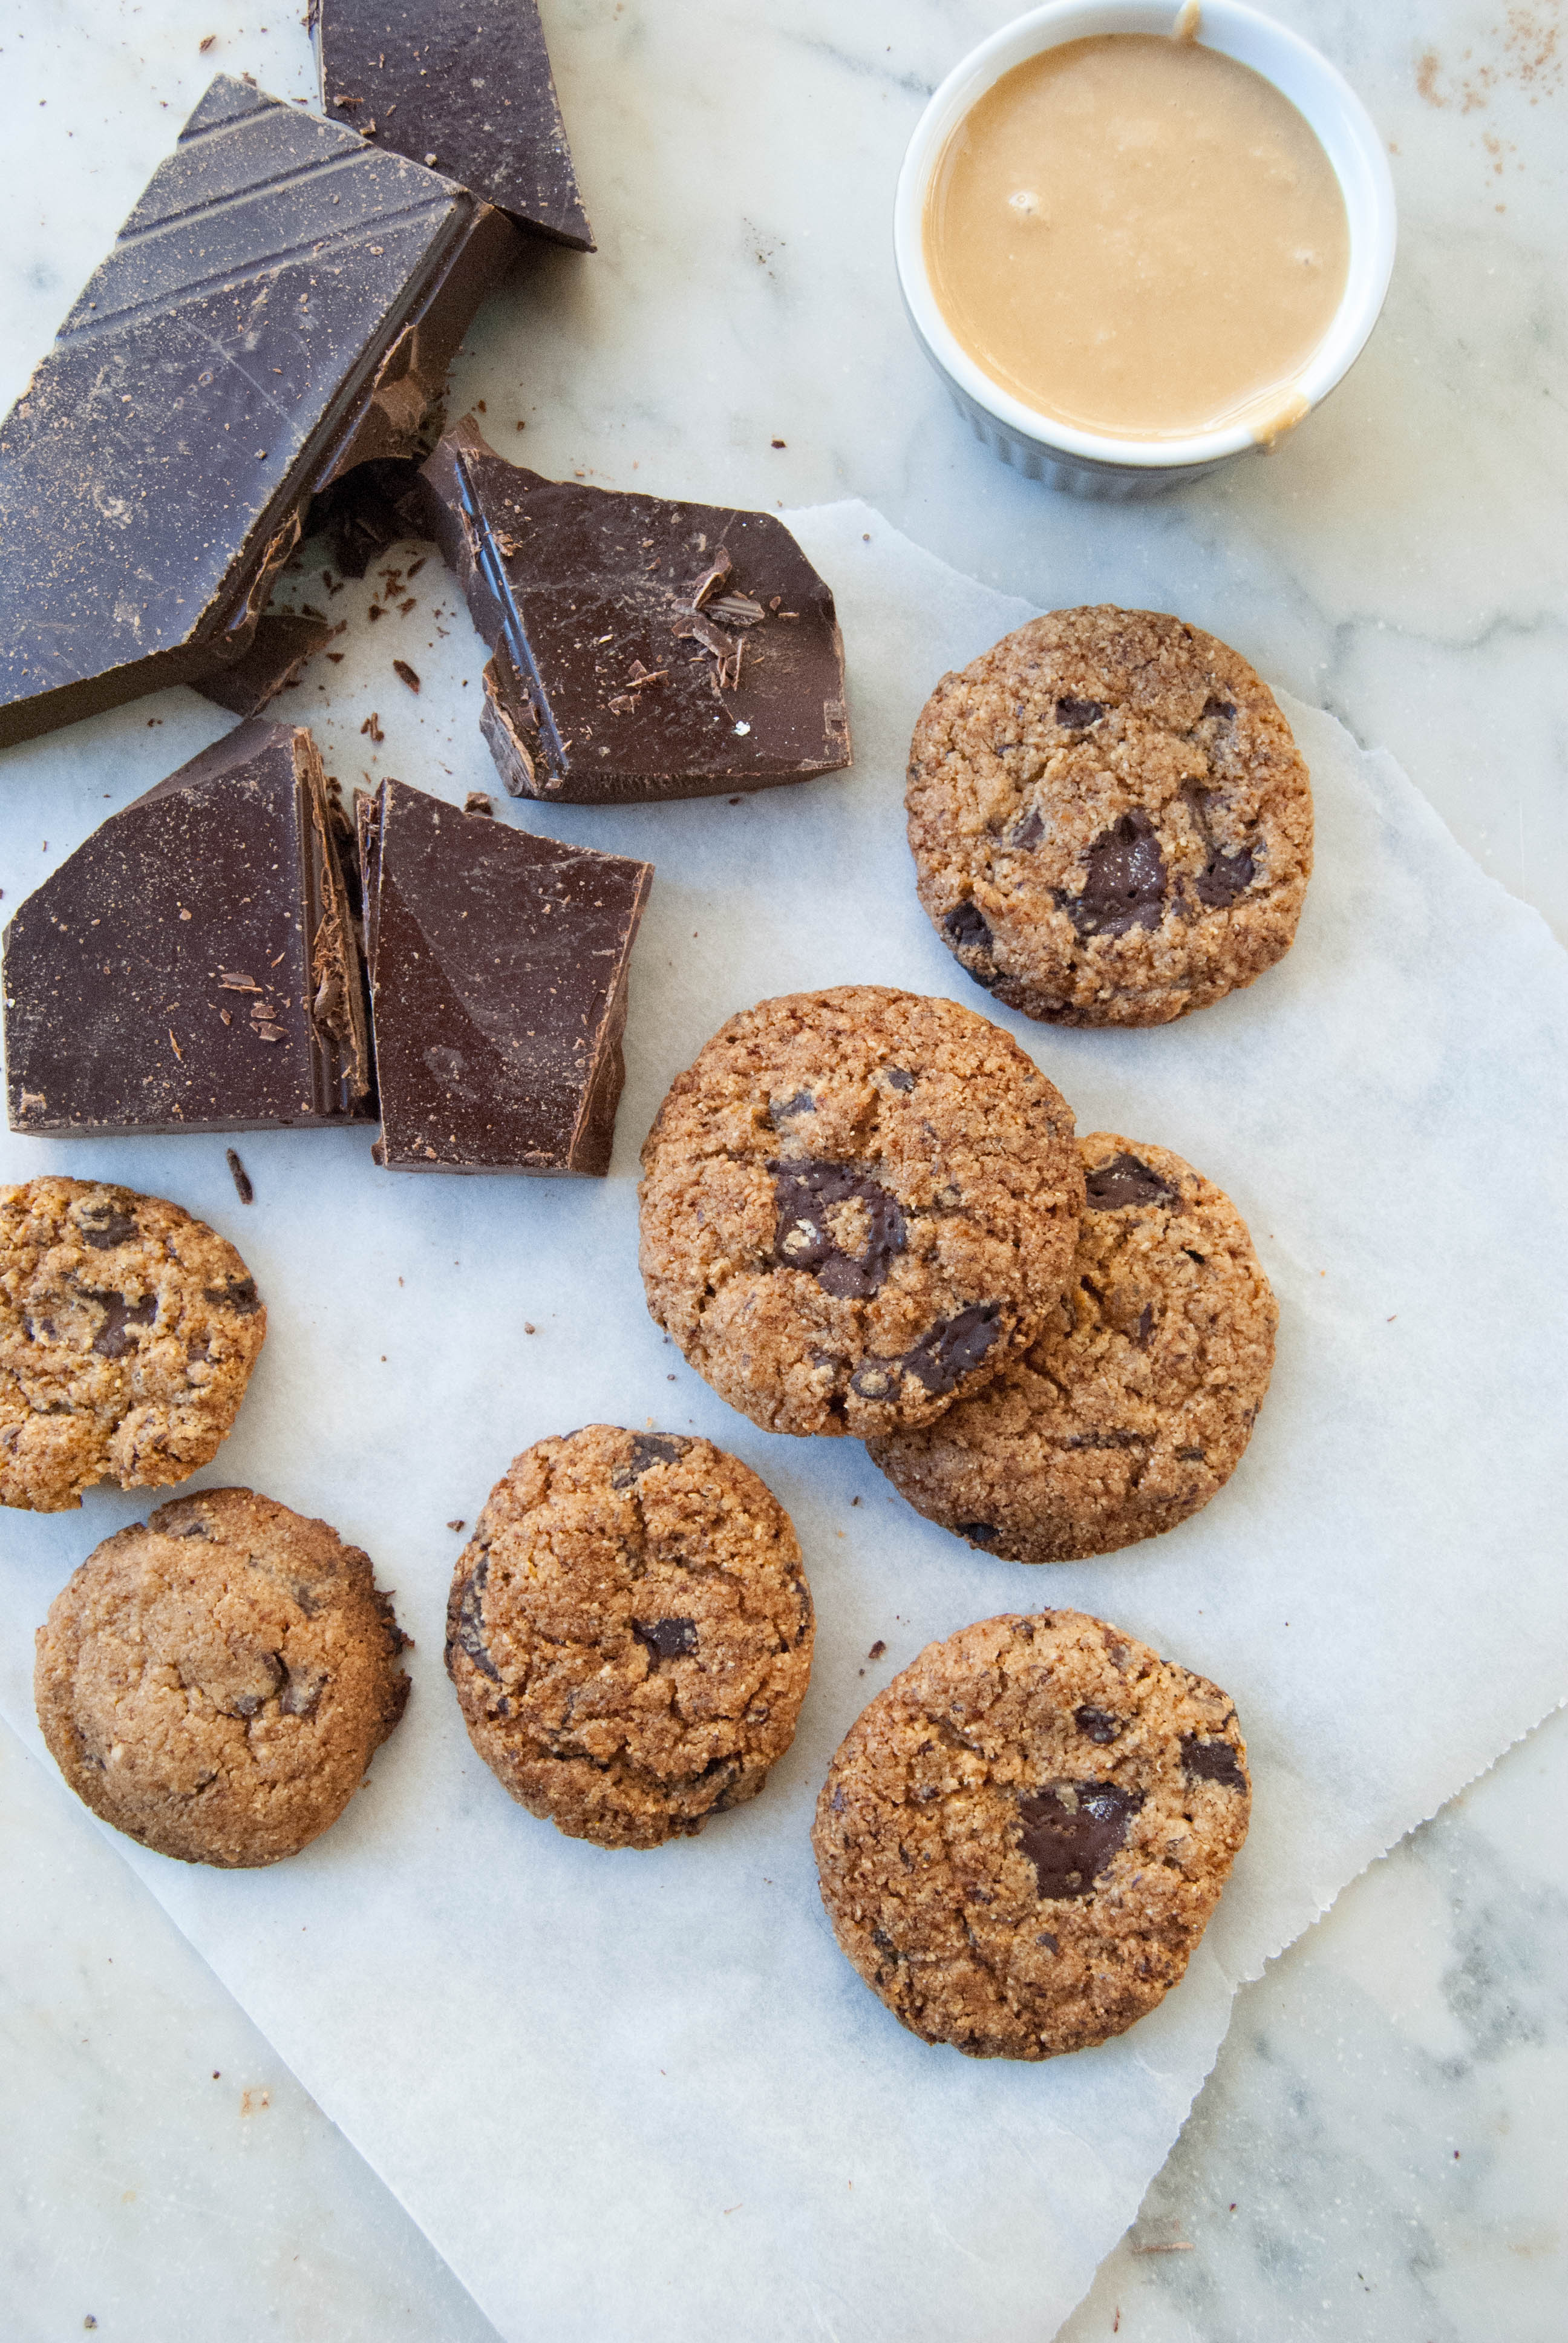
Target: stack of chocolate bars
[(263, 355)]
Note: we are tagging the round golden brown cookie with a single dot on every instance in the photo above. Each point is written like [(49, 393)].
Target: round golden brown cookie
[(629, 1633), (1134, 1404), (856, 1206), (1111, 821), (1020, 1841), (127, 1334), (216, 1681)]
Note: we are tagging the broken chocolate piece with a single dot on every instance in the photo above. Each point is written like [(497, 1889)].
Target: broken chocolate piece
[(1070, 1831), (376, 505), (1125, 886), (193, 965), (270, 661), (1126, 1180), (612, 680), (281, 305), (465, 82), (811, 1197), (498, 963)]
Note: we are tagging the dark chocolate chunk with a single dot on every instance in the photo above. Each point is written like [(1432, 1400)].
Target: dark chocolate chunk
[(106, 1226), (466, 81), (1211, 1761), (1125, 886), (112, 1340), (1097, 1723), (282, 304), (376, 505), (969, 936), (235, 1294), (648, 1448), (898, 1079), (302, 1693), (1222, 708), (783, 1110), (193, 965), (1069, 1832), (978, 1532), (1126, 1180), (807, 1193), (1076, 715), (466, 1630), (498, 970), (1224, 877), (667, 1639), (1030, 830), (1189, 1456), (941, 1358), (612, 680)]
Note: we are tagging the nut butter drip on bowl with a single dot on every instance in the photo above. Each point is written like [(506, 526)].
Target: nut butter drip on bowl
[(1138, 236)]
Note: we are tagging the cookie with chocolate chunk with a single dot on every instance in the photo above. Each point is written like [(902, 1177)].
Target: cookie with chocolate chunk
[(1020, 1841), (1134, 1404), (1110, 821), (857, 1206), (214, 1682), (629, 1633), (127, 1334)]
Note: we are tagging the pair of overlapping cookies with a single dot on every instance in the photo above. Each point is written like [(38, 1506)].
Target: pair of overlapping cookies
[(863, 1211)]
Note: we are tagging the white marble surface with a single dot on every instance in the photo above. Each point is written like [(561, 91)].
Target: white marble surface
[(1401, 562)]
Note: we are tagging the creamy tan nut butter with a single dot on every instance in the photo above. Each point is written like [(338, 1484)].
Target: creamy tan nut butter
[(1139, 236)]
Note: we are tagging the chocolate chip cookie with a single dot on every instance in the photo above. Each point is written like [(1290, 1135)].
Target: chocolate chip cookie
[(857, 1205), (1111, 821), (127, 1334), (629, 1633), (216, 1681), (1137, 1398), (1020, 1841)]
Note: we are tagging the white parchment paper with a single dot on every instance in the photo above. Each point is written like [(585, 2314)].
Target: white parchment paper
[(643, 2094)]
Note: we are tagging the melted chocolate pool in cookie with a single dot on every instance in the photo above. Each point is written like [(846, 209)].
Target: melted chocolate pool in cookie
[(1071, 1830)]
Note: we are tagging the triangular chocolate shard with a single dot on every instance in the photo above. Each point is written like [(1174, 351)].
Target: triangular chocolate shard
[(281, 305), (498, 964), (643, 649), (193, 966), (465, 86)]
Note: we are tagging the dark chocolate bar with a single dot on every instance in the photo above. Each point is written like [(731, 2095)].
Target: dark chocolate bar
[(282, 304), (193, 966), (464, 85), (643, 649), (498, 964)]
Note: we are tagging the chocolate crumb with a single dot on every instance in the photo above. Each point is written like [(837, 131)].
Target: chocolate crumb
[(401, 668), (241, 1177)]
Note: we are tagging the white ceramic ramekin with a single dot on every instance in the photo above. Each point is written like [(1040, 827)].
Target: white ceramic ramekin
[(1093, 464)]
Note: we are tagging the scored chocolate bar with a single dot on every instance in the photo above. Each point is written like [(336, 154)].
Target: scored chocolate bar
[(465, 86), (193, 965), (281, 306), (499, 967), (643, 649)]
